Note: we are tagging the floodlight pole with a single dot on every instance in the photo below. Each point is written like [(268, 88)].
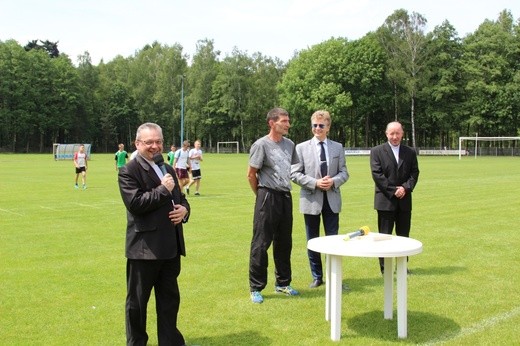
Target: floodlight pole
[(182, 110)]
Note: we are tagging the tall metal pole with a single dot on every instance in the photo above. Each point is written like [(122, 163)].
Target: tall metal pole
[(182, 110)]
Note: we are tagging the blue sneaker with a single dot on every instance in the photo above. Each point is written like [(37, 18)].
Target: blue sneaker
[(256, 297), (288, 290)]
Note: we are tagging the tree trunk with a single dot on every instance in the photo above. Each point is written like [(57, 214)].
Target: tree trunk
[(395, 102), (412, 120)]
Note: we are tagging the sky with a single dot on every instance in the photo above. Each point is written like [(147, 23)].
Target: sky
[(275, 28)]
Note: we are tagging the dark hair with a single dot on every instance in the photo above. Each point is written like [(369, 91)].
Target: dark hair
[(275, 113)]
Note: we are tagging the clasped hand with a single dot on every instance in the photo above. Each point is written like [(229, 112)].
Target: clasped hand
[(324, 183), (400, 192), (178, 214)]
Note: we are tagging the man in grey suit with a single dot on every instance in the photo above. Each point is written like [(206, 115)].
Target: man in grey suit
[(320, 172), (156, 210), (395, 172)]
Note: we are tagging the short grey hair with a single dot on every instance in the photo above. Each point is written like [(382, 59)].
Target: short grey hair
[(148, 126)]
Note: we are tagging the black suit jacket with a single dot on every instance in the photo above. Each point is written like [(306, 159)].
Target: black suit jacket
[(388, 175), (150, 234)]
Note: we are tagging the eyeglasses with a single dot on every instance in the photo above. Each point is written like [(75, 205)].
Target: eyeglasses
[(321, 126), (150, 143)]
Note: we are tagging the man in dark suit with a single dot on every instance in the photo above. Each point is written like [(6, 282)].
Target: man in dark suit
[(156, 210), (320, 172), (395, 172)]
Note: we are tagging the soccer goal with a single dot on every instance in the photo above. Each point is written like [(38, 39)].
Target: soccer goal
[(66, 151), (227, 148), (501, 150)]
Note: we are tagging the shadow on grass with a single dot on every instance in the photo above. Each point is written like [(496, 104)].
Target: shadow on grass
[(369, 284), (447, 270), (422, 327), (250, 338)]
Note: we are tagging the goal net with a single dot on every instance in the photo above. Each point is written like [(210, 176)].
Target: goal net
[(507, 146), (66, 151), (227, 147)]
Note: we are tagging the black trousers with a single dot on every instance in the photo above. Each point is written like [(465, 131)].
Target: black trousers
[(141, 277), (386, 221), (312, 229), (272, 224)]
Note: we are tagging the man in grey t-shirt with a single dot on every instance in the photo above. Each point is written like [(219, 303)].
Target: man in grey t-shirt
[(269, 172)]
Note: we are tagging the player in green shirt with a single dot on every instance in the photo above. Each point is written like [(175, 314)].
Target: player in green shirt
[(121, 157), (171, 154)]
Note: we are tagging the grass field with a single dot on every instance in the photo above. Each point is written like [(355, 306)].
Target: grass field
[(62, 259)]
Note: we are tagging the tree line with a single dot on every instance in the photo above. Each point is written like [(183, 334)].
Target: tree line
[(440, 86)]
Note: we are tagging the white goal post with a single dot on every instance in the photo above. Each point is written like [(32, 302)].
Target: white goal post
[(476, 139), (227, 147)]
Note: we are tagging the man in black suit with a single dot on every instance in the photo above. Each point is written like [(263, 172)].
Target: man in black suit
[(395, 172), (156, 210)]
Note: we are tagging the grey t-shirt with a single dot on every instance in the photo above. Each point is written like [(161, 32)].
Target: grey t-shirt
[(273, 161)]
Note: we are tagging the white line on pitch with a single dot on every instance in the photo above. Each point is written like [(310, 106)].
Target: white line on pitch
[(11, 212), (478, 327), (88, 205), (44, 207)]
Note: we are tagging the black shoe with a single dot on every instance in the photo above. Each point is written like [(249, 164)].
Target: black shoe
[(408, 271), (316, 283)]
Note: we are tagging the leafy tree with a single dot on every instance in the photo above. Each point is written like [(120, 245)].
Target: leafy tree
[(16, 105), (120, 117), (442, 94), (365, 66), (267, 72), (402, 35), (231, 93), (452, 87), (64, 102), (200, 77), (315, 79), (50, 47), (155, 82), (490, 62), (90, 100)]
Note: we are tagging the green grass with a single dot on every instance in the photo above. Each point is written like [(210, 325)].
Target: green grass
[(62, 262)]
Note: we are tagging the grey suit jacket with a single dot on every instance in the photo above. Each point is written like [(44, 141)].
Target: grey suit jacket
[(307, 171)]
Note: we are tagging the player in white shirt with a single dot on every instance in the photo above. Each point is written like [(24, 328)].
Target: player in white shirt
[(181, 164), (195, 160), (80, 162)]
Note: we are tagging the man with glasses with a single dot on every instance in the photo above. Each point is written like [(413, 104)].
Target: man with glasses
[(156, 210), (320, 172)]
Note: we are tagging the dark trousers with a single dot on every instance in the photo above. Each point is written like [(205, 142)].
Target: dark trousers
[(141, 277), (272, 224), (312, 229), (386, 221)]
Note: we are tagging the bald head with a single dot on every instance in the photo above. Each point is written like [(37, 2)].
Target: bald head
[(394, 132)]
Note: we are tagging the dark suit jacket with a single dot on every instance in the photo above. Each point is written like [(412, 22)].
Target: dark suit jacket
[(388, 174), (150, 234)]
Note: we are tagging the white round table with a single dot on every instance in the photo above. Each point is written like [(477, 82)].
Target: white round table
[(371, 245)]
